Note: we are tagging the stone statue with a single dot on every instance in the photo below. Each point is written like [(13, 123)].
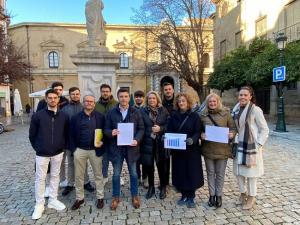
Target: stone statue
[(95, 22)]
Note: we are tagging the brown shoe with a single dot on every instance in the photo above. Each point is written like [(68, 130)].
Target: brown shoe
[(250, 203), (100, 203), (77, 204), (242, 200), (114, 203), (136, 202)]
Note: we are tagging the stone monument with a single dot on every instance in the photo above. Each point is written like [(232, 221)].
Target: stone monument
[(96, 65)]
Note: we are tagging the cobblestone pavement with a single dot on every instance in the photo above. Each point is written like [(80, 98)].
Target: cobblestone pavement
[(278, 200)]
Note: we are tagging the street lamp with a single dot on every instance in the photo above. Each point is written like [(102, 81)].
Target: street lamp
[(280, 125)]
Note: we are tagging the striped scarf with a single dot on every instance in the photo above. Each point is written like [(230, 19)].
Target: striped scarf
[(246, 154)]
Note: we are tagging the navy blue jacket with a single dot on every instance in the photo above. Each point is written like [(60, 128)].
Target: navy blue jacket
[(113, 117), (48, 132), (75, 130)]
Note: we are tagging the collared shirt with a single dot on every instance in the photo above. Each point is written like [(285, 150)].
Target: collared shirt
[(55, 111), (123, 112)]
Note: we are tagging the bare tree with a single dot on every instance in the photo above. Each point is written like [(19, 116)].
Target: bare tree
[(13, 64), (179, 33)]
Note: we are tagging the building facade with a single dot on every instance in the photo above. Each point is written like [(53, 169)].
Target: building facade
[(238, 22), (49, 46), (5, 106)]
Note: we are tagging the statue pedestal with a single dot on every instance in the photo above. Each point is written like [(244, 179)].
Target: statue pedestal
[(95, 66)]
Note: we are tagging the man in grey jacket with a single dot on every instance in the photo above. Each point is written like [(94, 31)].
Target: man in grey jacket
[(72, 109)]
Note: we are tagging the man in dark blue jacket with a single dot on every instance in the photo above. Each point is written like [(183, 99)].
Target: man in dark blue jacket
[(48, 134), (123, 113), (84, 146), (71, 110)]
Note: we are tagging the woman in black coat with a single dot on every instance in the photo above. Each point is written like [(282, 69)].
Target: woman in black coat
[(155, 118), (187, 173)]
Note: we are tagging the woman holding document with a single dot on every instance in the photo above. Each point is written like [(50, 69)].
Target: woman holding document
[(253, 132), (155, 118), (216, 153), (187, 173)]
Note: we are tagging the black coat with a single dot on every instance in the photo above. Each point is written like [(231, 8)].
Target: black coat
[(75, 130), (187, 173), (48, 132), (113, 117), (147, 154)]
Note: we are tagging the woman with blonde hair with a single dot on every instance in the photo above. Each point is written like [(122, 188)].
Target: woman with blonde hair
[(253, 133), (155, 118), (187, 173), (216, 154)]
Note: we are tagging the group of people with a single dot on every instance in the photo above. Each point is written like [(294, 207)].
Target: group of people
[(66, 129)]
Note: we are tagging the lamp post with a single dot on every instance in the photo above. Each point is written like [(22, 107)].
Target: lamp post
[(280, 125)]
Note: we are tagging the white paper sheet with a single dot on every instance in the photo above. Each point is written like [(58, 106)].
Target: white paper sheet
[(126, 134), (175, 141), (216, 134)]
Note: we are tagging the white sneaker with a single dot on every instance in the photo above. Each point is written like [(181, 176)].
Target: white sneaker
[(38, 211), (63, 183), (55, 204), (122, 182), (105, 180), (46, 194)]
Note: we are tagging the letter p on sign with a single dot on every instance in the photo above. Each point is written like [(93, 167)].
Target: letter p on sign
[(279, 74)]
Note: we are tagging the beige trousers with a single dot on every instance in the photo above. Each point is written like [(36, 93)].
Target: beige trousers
[(81, 157)]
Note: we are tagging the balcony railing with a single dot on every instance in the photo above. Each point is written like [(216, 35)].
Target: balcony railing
[(292, 32)]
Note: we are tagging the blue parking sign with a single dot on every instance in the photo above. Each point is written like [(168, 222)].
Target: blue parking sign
[(279, 74)]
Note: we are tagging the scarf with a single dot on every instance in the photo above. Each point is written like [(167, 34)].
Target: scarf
[(246, 154), (153, 112)]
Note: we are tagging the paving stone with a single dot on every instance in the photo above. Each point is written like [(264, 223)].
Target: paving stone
[(277, 201)]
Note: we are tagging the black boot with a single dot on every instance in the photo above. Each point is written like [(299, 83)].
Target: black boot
[(211, 201), (218, 201), (151, 192), (163, 192)]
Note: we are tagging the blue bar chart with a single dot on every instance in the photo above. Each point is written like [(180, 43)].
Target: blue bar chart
[(175, 141)]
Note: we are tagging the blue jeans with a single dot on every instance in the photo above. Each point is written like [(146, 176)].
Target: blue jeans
[(105, 164), (117, 169)]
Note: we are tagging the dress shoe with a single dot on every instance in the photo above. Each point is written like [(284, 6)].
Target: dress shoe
[(150, 192), (211, 201), (249, 203), (218, 201), (114, 203), (100, 203), (67, 190), (136, 202), (163, 193), (89, 187), (77, 204)]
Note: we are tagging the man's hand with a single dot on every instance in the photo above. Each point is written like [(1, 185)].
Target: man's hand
[(115, 132), (203, 136), (134, 143)]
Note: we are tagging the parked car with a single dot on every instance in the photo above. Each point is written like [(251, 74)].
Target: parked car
[(1, 128)]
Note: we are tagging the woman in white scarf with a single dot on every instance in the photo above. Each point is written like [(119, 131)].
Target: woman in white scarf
[(252, 134)]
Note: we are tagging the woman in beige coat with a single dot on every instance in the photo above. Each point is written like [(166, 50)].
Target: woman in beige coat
[(253, 132), (216, 154)]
